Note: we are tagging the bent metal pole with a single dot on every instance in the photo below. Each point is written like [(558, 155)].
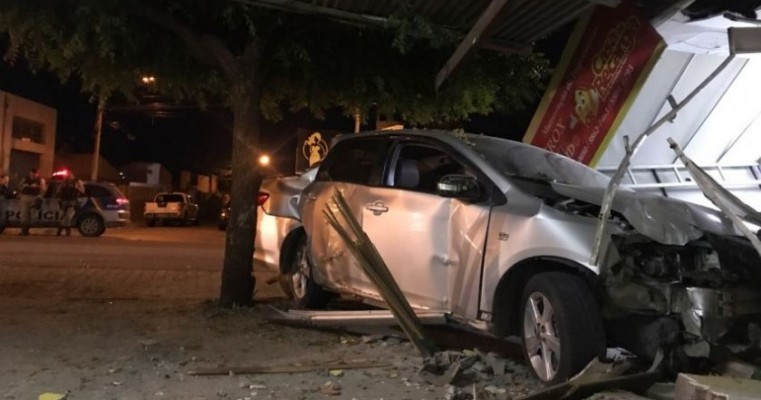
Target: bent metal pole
[(615, 181)]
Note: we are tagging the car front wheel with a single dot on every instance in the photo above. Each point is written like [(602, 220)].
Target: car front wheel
[(562, 327), (306, 293)]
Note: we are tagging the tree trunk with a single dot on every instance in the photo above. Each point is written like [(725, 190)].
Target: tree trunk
[(238, 281)]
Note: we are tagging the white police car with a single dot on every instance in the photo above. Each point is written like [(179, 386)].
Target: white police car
[(103, 206)]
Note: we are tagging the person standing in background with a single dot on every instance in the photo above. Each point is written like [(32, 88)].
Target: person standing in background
[(5, 194), (68, 194), (32, 187)]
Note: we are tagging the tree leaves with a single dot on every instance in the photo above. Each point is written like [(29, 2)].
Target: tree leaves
[(309, 63)]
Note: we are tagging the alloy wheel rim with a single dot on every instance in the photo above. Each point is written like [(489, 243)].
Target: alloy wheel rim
[(540, 336), (299, 277)]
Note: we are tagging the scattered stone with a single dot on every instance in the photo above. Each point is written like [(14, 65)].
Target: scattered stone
[(336, 372), (661, 391), (392, 341), (739, 369), (367, 339), (330, 388)]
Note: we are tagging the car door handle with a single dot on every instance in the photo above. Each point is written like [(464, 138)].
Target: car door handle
[(377, 208)]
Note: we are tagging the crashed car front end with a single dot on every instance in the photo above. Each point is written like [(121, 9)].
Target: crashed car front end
[(673, 276), (693, 298), (679, 277)]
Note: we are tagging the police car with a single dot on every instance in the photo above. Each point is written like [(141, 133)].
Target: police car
[(103, 206)]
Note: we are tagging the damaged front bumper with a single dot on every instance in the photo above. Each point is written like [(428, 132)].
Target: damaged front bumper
[(724, 316), (693, 321)]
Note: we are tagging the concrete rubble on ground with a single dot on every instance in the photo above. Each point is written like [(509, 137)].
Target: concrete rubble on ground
[(473, 374)]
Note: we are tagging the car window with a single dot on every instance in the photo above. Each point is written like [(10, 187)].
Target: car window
[(96, 191), (355, 161), (170, 198), (420, 167)]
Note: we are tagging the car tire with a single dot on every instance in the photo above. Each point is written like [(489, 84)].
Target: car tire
[(91, 225), (304, 292), (561, 326)]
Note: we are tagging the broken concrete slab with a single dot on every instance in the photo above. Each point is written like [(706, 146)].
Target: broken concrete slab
[(702, 387)]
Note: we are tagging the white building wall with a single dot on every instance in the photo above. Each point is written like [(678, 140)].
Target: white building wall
[(12, 106)]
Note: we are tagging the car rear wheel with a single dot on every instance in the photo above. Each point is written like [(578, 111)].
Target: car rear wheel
[(562, 327), (91, 225), (305, 292)]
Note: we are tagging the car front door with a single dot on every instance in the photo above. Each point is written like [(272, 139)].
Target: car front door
[(432, 245)]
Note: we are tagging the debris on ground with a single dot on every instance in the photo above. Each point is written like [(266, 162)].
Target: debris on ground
[(601, 376), (739, 369), (473, 374), (617, 395), (330, 388), (702, 387), (291, 368), (52, 396)]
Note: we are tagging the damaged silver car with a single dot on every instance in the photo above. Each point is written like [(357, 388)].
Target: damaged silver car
[(497, 236)]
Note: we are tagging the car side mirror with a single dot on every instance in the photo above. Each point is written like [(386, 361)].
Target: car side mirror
[(462, 187)]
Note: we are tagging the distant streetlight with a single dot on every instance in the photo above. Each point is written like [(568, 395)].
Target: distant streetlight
[(264, 160)]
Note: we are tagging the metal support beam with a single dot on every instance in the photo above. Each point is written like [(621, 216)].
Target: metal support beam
[(507, 48), (471, 40), (299, 7)]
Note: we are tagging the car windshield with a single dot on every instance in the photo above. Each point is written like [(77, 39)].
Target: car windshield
[(169, 198), (519, 160)]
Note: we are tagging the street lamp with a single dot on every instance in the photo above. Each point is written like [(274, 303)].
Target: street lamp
[(264, 160)]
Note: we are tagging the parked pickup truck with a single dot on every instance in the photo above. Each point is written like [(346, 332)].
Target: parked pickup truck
[(174, 207)]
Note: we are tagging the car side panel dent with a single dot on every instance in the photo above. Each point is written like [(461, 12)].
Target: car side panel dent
[(271, 231)]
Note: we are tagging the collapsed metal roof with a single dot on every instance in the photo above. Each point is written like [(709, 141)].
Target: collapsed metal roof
[(507, 26)]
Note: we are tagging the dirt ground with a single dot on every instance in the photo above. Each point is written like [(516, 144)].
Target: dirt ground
[(130, 314)]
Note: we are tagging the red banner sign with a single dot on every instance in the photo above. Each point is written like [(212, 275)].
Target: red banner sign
[(608, 56)]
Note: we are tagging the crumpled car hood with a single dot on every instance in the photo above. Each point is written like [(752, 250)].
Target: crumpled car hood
[(663, 219)]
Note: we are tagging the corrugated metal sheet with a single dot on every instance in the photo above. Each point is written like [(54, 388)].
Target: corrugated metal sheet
[(523, 21)]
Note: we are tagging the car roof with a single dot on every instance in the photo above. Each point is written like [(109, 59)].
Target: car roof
[(453, 138)]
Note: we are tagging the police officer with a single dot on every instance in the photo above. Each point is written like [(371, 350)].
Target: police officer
[(32, 188), (67, 194)]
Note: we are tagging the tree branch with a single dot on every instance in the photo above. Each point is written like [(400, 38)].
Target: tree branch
[(205, 48)]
